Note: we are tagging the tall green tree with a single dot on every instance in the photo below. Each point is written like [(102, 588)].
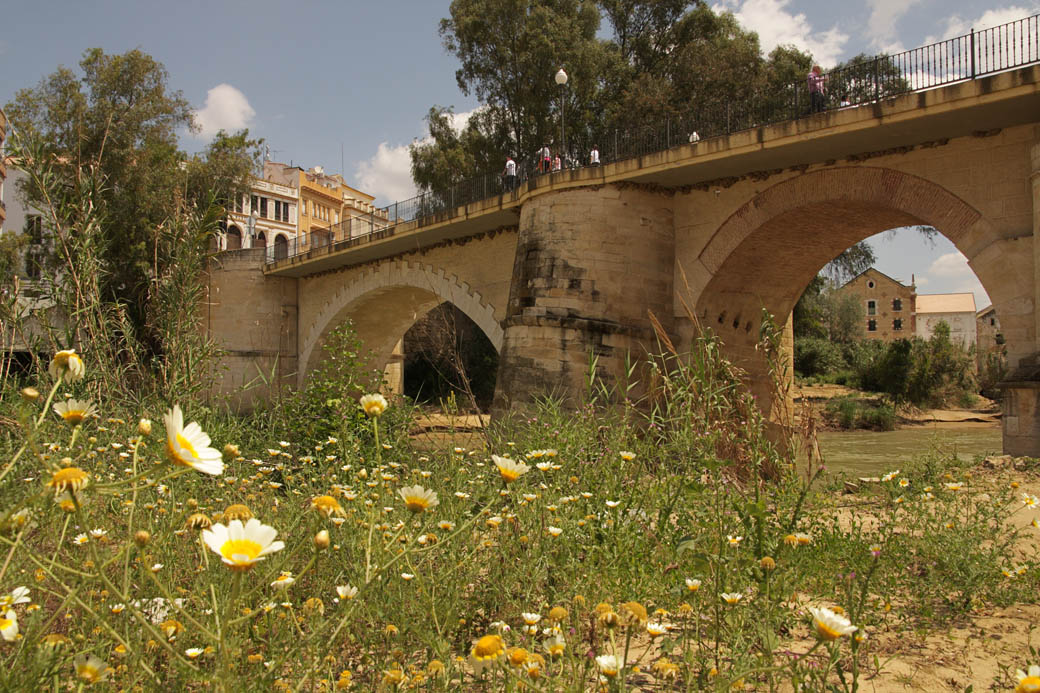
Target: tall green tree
[(107, 137), (509, 52), (118, 118), (864, 78), (666, 59)]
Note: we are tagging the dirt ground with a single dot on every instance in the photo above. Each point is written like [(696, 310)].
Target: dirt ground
[(984, 411)]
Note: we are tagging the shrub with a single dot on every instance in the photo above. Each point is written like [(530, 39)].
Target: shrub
[(842, 410), (879, 418), (817, 356)]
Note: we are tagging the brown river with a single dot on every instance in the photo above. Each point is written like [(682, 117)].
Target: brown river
[(870, 453)]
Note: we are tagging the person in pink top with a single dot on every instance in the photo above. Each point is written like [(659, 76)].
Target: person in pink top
[(817, 87)]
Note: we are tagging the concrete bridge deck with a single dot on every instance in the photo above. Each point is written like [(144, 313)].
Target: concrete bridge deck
[(974, 106)]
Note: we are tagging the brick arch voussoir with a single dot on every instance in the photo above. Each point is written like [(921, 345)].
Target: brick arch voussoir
[(887, 188), (398, 273)]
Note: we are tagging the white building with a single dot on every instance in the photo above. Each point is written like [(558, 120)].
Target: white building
[(956, 310), (266, 215)]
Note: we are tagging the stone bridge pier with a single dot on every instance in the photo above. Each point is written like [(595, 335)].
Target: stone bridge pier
[(590, 267)]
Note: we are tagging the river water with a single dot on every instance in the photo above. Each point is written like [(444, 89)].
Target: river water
[(870, 453)]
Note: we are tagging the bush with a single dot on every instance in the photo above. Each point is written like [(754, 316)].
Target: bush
[(842, 410), (817, 356), (849, 412), (879, 418)]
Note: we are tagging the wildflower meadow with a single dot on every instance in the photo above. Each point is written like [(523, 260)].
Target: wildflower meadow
[(669, 544)]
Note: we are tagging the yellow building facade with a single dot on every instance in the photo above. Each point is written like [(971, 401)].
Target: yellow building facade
[(329, 209)]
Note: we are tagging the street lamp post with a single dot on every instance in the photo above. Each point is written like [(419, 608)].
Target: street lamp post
[(561, 79)]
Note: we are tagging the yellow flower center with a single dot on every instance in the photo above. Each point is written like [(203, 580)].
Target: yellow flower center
[(186, 446), (241, 552), (488, 647), (327, 505), (5, 623), (237, 511), (510, 475), (416, 504), (518, 656), (69, 479), (74, 416), (89, 673), (826, 632), (1030, 684)]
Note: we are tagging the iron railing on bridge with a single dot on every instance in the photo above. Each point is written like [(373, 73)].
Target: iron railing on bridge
[(965, 57)]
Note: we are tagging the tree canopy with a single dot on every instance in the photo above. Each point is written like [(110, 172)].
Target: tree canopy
[(663, 59), (116, 123)]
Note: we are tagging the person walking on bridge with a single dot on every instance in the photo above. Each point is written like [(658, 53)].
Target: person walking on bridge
[(546, 156), (509, 174), (817, 87)]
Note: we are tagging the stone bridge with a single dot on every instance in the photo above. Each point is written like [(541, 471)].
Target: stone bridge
[(573, 263)]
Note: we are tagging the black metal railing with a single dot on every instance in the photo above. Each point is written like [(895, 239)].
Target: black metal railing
[(957, 59)]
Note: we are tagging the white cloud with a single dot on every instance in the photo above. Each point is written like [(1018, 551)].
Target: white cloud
[(226, 109), (950, 273), (950, 265), (387, 174), (776, 25), (958, 26), (881, 26)]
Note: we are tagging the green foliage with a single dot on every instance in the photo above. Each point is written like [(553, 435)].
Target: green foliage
[(327, 404), (110, 135), (864, 78), (658, 504), (817, 356), (921, 372), (508, 52), (851, 412), (664, 59), (12, 245)]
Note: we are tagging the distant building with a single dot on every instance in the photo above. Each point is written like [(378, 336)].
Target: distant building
[(3, 169), (989, 339), (329, 209), (32, 272), (888, 305), (956, 310), (266, 215)]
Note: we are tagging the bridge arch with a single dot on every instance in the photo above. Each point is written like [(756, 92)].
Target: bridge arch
[(766, 253), (385, 301)]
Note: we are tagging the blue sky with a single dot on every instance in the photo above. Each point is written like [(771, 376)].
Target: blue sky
[(347, 81)]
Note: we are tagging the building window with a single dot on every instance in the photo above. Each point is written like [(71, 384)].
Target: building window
[(34, 254), (871, 307), (263, 207), (897, 324), (238, 203), (303, 208), (281, 211), (254, 204), (34, 228), (897, 304), (871, 325), (870, 284), (993, 322)]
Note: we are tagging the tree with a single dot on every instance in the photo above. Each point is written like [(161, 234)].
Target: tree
[(667, 59), (864, 78), (119, 121), (508, 52)]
